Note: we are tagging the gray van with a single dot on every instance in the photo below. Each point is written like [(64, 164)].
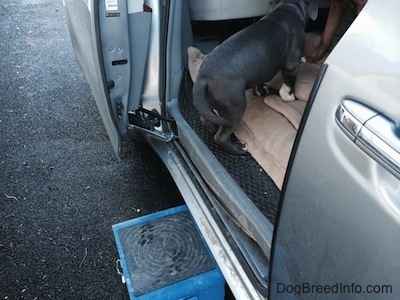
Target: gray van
[(314, 209)]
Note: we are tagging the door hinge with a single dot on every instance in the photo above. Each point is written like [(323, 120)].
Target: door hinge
[(120, 110), (146, 121)]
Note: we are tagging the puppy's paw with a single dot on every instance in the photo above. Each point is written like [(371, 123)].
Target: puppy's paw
[(239, 148), (286, 94), (236, 146), (260, 90)]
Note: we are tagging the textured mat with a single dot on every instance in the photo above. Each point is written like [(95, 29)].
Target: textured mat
[(249, 175)]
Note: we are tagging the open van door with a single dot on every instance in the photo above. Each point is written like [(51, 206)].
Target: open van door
[(337, 234), (103, 34)]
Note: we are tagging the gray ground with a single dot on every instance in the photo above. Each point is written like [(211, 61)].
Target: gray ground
[(61, 187)]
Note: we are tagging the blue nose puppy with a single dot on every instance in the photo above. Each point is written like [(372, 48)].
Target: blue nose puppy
[(248, 58)]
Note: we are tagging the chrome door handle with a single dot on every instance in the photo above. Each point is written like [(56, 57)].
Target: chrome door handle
[(351, 116), (378, 136), (372, 132)]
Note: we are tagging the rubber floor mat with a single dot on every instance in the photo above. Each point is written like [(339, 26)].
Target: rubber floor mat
[(244, 169)]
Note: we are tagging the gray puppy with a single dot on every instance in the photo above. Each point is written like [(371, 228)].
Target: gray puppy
[(248, 58)]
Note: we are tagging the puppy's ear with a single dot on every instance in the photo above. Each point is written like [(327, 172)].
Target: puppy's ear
[(312, 8), (272, 4)]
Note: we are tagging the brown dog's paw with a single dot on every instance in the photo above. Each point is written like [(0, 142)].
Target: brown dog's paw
[(314, 48), (317, 54)]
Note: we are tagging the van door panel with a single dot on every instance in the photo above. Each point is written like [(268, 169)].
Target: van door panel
[(338, 227), (114, 29), (111, 43)]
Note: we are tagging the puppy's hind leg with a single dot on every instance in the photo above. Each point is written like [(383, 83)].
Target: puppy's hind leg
[(228, 141), (224, 137), (211, 127)]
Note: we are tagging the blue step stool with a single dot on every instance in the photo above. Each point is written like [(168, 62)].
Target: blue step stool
[(163, 256)]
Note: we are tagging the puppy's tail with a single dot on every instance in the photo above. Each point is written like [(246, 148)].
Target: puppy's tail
[(202, 104)]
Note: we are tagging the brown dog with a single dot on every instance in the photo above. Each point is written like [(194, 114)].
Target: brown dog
[(337, 9)]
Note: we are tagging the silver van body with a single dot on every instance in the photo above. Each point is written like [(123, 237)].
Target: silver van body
[(332, 229)]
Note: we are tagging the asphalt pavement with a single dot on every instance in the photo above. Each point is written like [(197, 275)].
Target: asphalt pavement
[(61, 186)]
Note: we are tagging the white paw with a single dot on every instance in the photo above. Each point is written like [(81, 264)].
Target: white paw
[(285, 94), (245, 147)]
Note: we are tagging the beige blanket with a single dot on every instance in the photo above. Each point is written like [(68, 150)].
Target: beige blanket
[(269, 125)]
